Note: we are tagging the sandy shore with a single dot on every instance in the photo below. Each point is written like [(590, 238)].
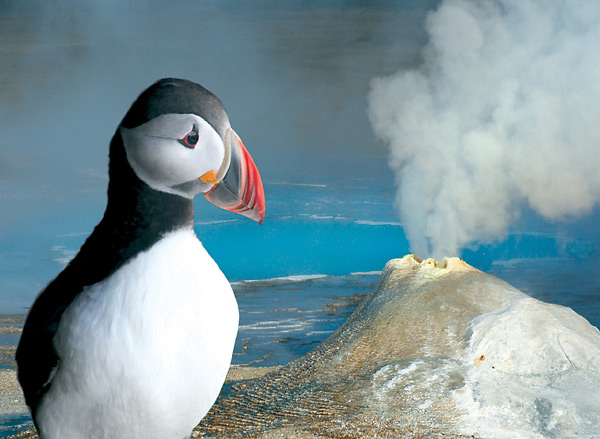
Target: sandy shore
[(406, 364), (13, 404), (11, 397)]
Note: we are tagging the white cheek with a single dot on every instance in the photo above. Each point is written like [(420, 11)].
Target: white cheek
[(157, 160), (164, 163)]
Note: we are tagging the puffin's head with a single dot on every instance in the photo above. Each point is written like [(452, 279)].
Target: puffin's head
[(178, 140)]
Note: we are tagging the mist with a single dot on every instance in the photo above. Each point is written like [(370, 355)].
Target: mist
[(500, 116), (293, 78)]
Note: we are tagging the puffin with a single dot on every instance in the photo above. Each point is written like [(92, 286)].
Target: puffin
[(134, 338)]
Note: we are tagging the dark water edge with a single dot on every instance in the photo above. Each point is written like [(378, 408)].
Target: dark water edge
[(13, 424), (282, 319), (567, 282)]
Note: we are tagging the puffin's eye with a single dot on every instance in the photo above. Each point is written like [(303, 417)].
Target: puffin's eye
[(190, 139)]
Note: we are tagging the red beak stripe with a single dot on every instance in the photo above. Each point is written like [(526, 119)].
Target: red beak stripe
[(241, 190)]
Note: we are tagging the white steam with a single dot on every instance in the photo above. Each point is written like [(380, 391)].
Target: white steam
[(503, 113)]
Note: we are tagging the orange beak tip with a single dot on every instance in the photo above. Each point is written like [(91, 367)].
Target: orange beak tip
[(209, 177)]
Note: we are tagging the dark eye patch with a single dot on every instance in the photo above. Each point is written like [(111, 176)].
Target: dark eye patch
[(190, 139)]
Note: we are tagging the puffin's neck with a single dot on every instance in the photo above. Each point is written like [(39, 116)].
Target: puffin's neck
[(136, 214), (136, 217), (134, 206), (136, 210)]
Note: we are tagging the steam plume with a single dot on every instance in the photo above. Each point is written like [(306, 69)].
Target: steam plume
[(504, 112)]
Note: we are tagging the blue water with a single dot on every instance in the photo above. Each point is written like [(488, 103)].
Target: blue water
[(281, 319)]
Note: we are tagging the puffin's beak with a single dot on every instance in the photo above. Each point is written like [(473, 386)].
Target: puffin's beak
[(239, 188)]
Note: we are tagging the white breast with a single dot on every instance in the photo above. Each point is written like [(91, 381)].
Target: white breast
[(145, 352)]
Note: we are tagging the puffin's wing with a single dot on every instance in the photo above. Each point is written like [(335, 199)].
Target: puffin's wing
[(36, 357)]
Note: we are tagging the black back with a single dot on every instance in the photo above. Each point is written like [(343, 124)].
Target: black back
[(136, 217)]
